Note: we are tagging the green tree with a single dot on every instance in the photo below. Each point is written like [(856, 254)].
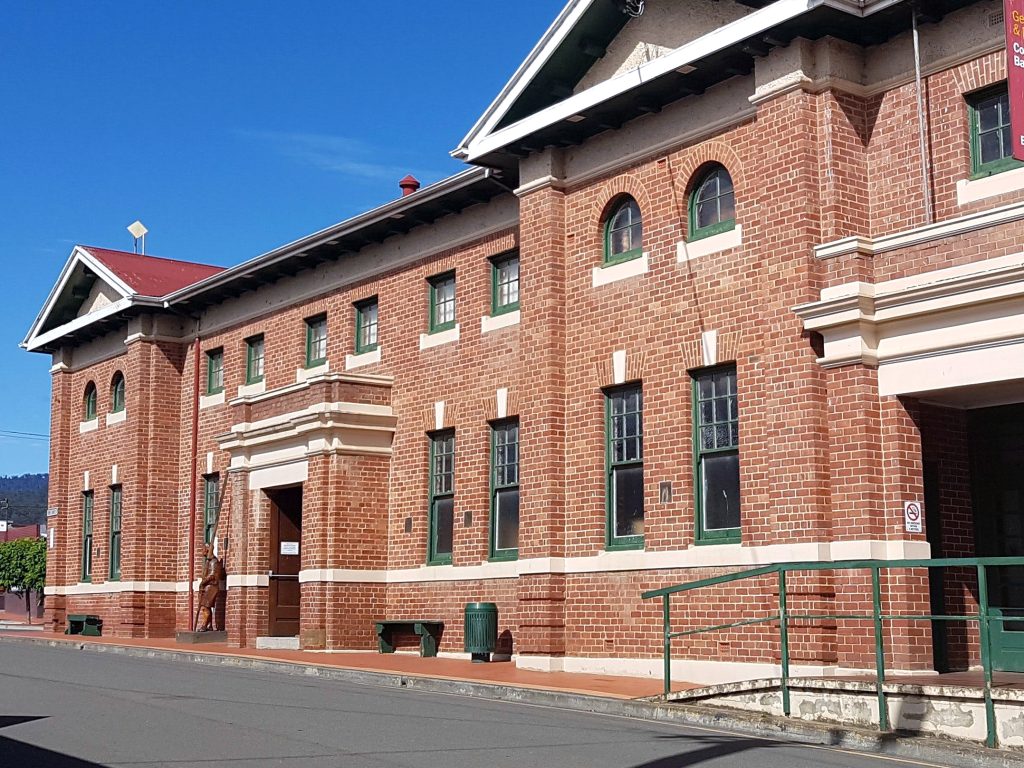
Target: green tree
[(23, 568)]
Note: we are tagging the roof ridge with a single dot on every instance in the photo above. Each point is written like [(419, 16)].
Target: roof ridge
[(149, 256)]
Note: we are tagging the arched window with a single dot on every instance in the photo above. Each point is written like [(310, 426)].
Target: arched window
[(623, 232), (712, 204), (117, 393), (89, 402)]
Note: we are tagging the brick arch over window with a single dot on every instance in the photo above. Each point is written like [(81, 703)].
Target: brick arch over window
[(695, 166), (695, 163), (608, 199), (89, 401), (117, 392), (982, 72)]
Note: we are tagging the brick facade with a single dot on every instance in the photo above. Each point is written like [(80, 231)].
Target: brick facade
[(826, 459)]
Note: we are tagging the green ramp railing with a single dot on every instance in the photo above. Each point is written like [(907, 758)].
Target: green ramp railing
[(784, 617)]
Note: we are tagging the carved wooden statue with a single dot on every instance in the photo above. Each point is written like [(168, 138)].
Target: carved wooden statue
[(209, 591)]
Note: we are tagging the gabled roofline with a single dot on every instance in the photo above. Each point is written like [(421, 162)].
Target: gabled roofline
[(79, 255), (398, 208), (534, 61), (34, 343), (401, 205), (483, 139)]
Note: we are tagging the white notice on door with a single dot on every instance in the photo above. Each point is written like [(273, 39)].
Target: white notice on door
[(289, 547)]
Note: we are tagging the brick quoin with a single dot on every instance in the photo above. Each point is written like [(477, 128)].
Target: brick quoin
[(829, 451)]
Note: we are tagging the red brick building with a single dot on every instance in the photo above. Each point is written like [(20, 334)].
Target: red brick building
[(724, 287)]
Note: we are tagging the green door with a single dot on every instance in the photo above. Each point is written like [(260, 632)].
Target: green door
[(997, 478)]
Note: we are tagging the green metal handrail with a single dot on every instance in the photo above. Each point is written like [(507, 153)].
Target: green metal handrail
[(784, 617)]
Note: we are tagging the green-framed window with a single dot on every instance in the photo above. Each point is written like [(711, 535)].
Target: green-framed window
[(504, 283), (991, 135), (623, 232), (366, 325), (254, 358), (442, 498), (442, 302), (316, 341), (117, 393), (89, 402), (87, 502), (214, 371), (504, 533), (624, 459), (115, 532), (716, 451), (712, 204), (211, 500)]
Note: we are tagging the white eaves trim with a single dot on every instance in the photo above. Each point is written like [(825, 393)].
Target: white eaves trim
[(482, 141), (433, 191), (79, 255), (535, 60), (34, 342)]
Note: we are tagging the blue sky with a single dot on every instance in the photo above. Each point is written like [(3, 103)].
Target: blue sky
[(228, 128)]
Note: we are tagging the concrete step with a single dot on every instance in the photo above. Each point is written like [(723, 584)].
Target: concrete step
[(277, 643), (10, 626)]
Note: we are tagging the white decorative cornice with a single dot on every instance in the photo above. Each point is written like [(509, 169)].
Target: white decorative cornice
[(375, 380), (942, 313), (321, 428), (544, 182), (869, 246)]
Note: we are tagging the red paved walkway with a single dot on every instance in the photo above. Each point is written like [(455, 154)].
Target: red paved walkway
[(499, 673)]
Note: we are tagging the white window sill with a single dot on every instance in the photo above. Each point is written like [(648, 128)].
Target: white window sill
[(973, 190), (621, 271), (208, 401), (88, 426), (256, 388), (708, 245), (302, 375), (365, 358), (116, 417), (428, 340), (490, 323)]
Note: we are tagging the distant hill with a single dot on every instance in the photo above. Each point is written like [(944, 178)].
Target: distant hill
[(26, 495)]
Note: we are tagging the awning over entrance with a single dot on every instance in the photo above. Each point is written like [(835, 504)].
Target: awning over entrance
[(934, 332), (328, 414)]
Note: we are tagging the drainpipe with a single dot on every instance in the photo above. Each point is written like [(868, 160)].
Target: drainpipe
[(922, 137), (193, 479)]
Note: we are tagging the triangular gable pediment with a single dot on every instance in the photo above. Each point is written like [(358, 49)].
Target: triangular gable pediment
[(85, 290), (599, 64), (593, 41)]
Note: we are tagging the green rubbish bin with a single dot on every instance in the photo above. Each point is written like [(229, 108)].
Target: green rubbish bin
[(481, 630)]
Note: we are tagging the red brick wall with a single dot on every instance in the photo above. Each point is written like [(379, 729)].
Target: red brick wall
[(823, 457)]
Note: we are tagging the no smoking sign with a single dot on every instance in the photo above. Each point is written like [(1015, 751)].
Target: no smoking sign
[(912, 517)]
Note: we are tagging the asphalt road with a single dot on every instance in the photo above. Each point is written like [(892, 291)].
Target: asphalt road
[(70, 709)]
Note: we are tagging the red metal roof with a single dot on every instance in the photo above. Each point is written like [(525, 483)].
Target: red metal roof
[(152, 275), (21, 532)]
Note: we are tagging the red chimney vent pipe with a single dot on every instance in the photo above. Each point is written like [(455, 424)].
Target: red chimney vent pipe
[(409, 185)]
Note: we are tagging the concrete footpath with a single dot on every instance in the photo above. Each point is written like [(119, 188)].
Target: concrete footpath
[(502, 681)]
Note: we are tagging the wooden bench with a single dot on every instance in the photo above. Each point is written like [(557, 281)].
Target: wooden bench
[(84, 624), (428, 630)]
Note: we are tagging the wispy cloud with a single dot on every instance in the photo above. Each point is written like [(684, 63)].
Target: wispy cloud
[(337, 154)]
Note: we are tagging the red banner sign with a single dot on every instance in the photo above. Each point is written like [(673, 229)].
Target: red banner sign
[(1013, 20)]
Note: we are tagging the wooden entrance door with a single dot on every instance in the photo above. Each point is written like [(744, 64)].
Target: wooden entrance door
[(997, 479), (285, 558)]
